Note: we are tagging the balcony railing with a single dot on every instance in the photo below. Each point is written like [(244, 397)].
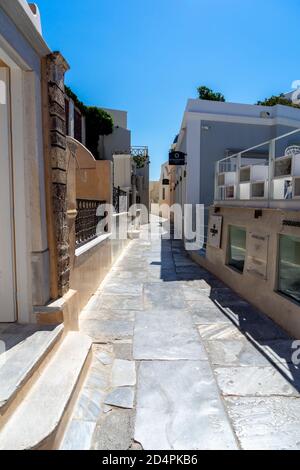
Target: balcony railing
[(265, 175), (135, 151), (87, 220), (139, 151)]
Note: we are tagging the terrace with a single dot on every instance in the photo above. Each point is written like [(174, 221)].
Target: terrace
[(267, 175)]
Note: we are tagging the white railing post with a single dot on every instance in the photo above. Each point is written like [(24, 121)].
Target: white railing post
[(216, 179), (238, 167), (272, 146)]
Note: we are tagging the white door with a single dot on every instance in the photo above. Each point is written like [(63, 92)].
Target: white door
[(7, 284)]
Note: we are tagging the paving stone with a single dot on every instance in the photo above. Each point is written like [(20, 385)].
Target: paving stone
[(107, 409), (103, 331), (193, 271), (223, 298), (121, 287), (78, 436), (123, 351), (123, 373), (124, 302), (203, 301), (114, 431), (98, 376), (263, 331), (206, 316), (235, 353), (193, 291), (116, 273), (279, 351), (178, 407), (136, 446), (163, 295), (104, 357), (122, 397), (190, 275), (89, 404), (219, 331), (108, 315), (254, 381), (268, 423), (157, 288), (166, 334)]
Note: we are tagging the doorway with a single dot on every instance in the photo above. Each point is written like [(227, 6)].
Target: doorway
[(7, 277)]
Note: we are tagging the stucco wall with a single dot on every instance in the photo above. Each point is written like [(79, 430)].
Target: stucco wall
[(259, 292), (24, 60), (95, 183), (119, 141), (90, 268), (119, 117), (154, 191)]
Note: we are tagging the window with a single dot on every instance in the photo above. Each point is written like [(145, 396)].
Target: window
[(77, 125), (237, 248), (289, 266), (164, 194)]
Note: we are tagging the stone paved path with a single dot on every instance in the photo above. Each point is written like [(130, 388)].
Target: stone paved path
[(181, 362)]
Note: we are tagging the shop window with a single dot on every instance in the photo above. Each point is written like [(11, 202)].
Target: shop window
[(289, 266), (237, 248)]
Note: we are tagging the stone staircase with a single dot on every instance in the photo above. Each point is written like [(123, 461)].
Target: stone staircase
[(40, 378)]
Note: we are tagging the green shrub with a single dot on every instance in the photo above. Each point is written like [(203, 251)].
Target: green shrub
[(98, 122)]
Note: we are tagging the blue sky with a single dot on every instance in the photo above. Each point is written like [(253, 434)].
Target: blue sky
[(149, 56)]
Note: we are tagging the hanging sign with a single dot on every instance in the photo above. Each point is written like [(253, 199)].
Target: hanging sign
[(176, 158)]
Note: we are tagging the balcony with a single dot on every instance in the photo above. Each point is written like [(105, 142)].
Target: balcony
[(139, 151), (267, 175)]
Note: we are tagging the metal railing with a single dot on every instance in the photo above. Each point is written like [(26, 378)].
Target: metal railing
[(268, 172), (139, 151), (87, 220), (120, 202), (135, 151)]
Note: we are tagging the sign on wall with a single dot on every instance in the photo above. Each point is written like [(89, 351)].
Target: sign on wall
[(257, 259), (215, 231), (176, 158)]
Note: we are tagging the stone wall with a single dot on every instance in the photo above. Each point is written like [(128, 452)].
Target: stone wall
[(56, 67)]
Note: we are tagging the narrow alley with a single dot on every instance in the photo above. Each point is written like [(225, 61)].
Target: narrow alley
[(181, 362)]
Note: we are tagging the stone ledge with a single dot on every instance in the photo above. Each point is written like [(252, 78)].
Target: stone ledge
[(48, 399), (63, 310), (19, 363), (92, 244)]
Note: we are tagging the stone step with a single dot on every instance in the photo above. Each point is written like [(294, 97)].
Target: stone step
[(19, 363), (36, 422)]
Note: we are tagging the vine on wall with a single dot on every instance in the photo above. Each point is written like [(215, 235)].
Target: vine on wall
[(98, 122)]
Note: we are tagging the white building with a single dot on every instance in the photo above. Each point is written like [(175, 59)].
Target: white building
[(24, 254), (213, 130), (254, 229)]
